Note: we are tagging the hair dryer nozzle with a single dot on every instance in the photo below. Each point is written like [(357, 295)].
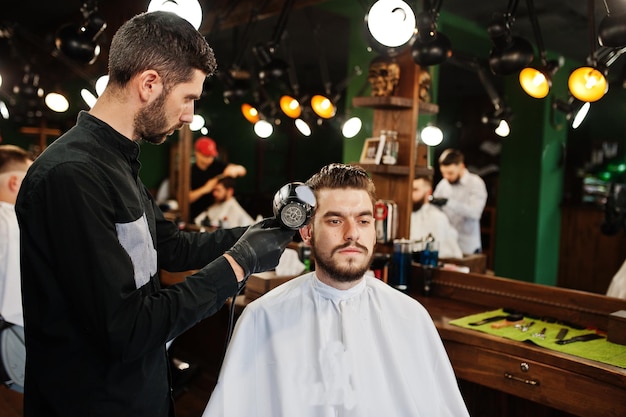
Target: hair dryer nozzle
[(293, 205)]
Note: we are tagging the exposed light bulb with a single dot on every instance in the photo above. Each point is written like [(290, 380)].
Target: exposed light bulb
[(391, 22), (88, 97), (4, 110), (580, 115), (190, 10), (303, 127), (263, 129), (351, 127), (101, 84), (431, 135), (503, 129), (57, 102), (197, 123)]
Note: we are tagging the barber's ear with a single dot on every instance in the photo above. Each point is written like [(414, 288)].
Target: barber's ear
[(149, 84)]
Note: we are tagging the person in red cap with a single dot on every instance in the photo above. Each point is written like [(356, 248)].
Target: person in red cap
[(205, 173)]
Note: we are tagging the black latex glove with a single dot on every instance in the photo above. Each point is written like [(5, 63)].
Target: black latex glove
[(261, 245), (438, 201)]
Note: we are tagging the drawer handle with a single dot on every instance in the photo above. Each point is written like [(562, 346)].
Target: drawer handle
[(508, 375)]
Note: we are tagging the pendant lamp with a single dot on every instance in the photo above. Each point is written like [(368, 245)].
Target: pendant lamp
[(588, 83)]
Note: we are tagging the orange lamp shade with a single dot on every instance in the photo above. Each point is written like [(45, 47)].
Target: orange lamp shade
[(290, 106), (250, 113), (534, 82), (587, 84), (322, 106)]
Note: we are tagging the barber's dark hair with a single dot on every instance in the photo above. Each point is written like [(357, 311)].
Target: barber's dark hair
[(337, 176), (451, 157), (161, 41), (12, 158)]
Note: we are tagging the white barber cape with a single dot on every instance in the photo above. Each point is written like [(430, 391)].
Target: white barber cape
[(306, 349), (10, 284)]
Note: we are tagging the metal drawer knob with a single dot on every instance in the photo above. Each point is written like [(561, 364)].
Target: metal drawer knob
[(524, 367)]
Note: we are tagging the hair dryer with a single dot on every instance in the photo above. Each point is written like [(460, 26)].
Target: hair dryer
[(293, 205)]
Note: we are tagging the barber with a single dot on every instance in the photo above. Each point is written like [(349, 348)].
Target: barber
[(462, 195), (93, 239)]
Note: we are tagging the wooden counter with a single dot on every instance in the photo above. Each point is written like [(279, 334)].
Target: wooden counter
[(560, 381)]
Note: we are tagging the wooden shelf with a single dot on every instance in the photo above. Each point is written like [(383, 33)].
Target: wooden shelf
[(395, 169), (399, 112), (386, 169), (394, 102)]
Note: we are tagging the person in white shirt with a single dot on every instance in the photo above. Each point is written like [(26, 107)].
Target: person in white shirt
[(14, 162), (429, 219), (463, 196), (337, 341), (225, 211)]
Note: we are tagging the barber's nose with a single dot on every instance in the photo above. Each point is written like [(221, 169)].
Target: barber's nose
[(187, 116)]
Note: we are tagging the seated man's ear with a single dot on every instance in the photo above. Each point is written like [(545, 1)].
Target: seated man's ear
[(305, 234)]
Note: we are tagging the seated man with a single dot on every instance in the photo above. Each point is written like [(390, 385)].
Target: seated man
[(14, 162), (428, 218), (337, 341), (225, 211)]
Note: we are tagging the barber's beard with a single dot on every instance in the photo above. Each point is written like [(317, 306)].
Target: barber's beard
[(150, 123), (341, 273)]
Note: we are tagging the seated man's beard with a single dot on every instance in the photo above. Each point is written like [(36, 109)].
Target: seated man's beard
[(418, 204)]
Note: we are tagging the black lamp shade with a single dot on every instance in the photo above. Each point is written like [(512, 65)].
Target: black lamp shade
[(237, 89), (433, 51), (512, 59), (612, 31), (500, 33), (94, 26), (275, 69), (72, 42)]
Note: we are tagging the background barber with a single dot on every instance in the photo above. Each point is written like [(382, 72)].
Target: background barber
[(463, 196), (206, 171)]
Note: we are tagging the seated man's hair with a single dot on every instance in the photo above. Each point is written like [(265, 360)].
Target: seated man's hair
[(227, 182), (427, 178), (12, 157), (338, 175)]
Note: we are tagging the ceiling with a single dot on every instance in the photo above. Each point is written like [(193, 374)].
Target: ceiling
[(314, 41)]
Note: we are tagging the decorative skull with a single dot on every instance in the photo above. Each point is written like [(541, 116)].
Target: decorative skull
[(425, 81), (383, 76)]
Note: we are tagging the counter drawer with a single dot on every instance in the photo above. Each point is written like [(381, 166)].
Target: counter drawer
[(539, 382)]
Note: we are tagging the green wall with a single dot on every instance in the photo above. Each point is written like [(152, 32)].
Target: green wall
[(531, 171), (360, 56)]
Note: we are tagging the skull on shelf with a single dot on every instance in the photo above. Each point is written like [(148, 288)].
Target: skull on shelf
[(383, 76)]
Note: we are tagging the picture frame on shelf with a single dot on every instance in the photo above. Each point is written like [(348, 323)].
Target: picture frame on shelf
[(372, 150)]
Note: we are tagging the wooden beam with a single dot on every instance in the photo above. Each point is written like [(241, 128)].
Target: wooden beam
[(184, 172), (43, 131)]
